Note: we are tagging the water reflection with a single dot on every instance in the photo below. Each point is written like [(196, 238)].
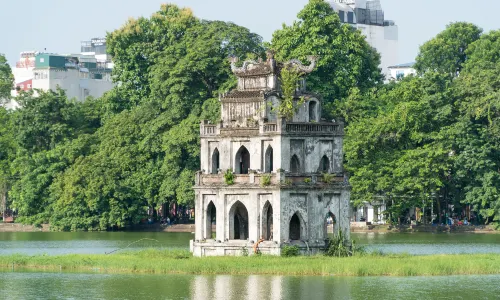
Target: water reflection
[(19, 285), (54, 243)]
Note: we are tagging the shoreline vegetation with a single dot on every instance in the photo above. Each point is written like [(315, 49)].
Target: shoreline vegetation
[(182, 262), (189, 228)]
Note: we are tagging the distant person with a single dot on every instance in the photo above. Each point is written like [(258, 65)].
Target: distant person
[(168, 221)]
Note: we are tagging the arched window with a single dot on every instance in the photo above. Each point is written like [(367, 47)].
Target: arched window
[(324, 165), (295, 164), (238, 222), (242, 161), (215, 161), (295, 227), (268, 162), (267, 221), (312, 111), (330, 225), (211, 220)]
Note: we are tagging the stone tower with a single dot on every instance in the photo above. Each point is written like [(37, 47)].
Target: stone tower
[(266, 181)]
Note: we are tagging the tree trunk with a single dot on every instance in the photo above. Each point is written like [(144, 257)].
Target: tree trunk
[(439, 210)]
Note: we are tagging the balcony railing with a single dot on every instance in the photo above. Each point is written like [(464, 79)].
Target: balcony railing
[(271, 179), (207, 129), (270, 127), (314, 128)]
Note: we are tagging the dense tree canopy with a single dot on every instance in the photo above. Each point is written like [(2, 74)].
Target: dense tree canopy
[(346, 61), (447, 52), (429, 140), (433, 140), (6, 79), (103, 162)]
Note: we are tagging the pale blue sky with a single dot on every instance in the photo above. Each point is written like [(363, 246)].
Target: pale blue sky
[(60, 25)]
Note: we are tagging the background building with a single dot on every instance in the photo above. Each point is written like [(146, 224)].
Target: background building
[(81, 75), (399, 72), (368, 17)]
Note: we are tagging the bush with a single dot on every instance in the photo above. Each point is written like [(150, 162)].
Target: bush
[(327, 178), (289, 251), (265, 180), (229, 177), (340, 246), (307, 180)]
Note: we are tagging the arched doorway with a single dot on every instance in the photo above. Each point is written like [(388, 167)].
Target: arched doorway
[(267, 222), (295, 227), (312, 111), (242, 161), (330, 225), (215, 161), (268, 162), (324, 165), (295, 164), (238, 222), (210, 221)]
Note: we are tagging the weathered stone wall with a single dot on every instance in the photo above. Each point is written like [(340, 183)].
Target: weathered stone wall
[(310, 150)]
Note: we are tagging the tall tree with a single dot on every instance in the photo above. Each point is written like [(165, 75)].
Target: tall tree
[(447, 52), (147, 150), (6, 79), (346, 61), (477, 135), (7, 154)]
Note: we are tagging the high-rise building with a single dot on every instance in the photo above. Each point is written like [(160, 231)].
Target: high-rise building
[(81, 75), (368, 17)]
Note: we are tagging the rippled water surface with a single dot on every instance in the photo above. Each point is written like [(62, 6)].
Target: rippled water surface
[(429, 243), (19, 285), (53, 243)]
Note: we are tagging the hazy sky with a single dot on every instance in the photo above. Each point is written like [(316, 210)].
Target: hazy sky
[(60, 25)]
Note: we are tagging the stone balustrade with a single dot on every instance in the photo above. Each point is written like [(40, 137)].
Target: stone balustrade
[(283, 127), (281, 178)]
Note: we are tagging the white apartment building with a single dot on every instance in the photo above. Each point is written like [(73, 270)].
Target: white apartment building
[(80, 75), (400, 71), (368, 17)]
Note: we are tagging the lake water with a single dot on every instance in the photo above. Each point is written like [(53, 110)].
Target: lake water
[(27, 285), (101, 242), (67, 285)]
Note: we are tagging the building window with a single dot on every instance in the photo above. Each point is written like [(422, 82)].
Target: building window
[(269, 160), (211, 219), (325, 164), (42, 59), (295, 227), (29, 86), (295, 164), (215, 161), (312, 112), (342, 16), (242, 161), (350, 17)]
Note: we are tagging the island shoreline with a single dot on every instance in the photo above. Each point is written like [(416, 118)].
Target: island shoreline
[(182, 262)]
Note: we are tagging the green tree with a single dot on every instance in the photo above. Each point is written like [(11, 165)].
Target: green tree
[(447, 52), (6, 79), (51, 133), (7, 152), (477, 134), (146, 146), (401, 152), (345, 60)]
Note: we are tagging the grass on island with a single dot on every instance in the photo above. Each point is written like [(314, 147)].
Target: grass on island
[(182, 262)]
